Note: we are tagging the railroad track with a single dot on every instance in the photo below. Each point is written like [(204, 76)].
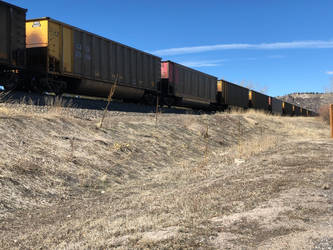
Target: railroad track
[(83, 102)]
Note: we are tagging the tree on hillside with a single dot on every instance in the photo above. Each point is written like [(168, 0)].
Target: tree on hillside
[(254, 86), (264, 90), (329, 88)]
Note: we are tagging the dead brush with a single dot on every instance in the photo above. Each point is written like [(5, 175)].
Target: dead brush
[(204, 136), (124, 152), (56, 105), (188, 121), (236, 110), (72, 149), (111, 93), (4, 109), (122, 147), (324, 113), (3, 96), (249, 148), (11, 107), (257, 112)]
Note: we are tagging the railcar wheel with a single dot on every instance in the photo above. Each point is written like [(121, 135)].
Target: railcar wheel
[(11, 82), (149, 99), (169, 101), (34, 85), (59, 87)]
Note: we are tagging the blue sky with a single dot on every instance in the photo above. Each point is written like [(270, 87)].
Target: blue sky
[(279, 46)]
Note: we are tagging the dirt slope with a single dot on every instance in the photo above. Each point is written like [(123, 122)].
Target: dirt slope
[(202, 182)]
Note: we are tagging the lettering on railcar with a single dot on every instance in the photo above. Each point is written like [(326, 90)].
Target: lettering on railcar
[(36, 24)]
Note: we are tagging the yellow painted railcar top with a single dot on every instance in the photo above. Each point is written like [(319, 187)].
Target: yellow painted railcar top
[(57, 37), (36, 33)]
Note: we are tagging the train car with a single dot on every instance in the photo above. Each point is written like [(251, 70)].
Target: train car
[(276, 106), (231, 95), (258, 100), (47, 55), (304, 112), (184, 86), (287, 108), (312, 113), (12, 44), (67, 59), (300, 113), (297, 110)]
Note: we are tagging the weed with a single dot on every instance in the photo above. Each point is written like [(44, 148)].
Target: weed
[(111, 93), (324, 113)]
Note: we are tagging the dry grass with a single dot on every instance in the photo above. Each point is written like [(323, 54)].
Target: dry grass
[(210, 181), (248, 111), (57, 105), (52, 106)]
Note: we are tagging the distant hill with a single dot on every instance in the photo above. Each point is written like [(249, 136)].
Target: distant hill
[(311, 101)]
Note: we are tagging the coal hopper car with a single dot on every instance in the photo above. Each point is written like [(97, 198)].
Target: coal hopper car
[(304, 112), (187, 87), (231, 95), (287, 108), (12, 44), (276, 106), (67, 59), (297, 110), (258, 100)]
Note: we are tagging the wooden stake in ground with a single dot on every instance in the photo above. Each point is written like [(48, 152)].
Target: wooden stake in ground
[(112, 90), (331, 119)]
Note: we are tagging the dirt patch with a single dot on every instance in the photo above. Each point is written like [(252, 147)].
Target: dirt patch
[(193, 181)]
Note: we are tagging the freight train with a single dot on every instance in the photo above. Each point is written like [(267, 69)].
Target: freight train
[(46, 55)]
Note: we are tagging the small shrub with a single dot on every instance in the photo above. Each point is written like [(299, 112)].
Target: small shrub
[(324, 113), (55, 104)]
